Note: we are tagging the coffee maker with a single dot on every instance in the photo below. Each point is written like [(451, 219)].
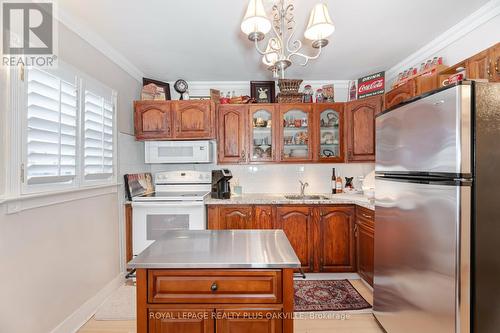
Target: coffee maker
[(220, 184)]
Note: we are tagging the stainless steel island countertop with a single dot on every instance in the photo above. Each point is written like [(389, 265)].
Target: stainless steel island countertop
[(218, 249)]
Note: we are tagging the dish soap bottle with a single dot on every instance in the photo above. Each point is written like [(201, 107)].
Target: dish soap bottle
[(338, 185)]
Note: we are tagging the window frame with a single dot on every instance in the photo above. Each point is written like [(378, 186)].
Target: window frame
[(19, 88)]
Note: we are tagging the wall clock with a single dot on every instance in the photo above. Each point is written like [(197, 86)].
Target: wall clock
[(181, 87)]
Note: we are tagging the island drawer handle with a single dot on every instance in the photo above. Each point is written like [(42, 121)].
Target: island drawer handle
[(213, 287)]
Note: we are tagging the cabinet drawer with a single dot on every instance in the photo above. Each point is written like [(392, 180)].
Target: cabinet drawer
[(365, 214), (214, 286)]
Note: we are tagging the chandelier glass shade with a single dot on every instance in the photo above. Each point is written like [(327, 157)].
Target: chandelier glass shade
[(255, 20), (281, 47)]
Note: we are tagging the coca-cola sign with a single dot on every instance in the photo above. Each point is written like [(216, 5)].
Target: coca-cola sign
[(371, 85)]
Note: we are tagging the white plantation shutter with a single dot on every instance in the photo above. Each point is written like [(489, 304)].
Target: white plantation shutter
[(98, 135), (51, 128)]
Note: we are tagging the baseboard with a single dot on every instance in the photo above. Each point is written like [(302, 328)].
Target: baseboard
[(367, 284), (78, 318)]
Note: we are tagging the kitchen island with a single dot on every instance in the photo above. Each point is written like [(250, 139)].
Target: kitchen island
[(202, 281)]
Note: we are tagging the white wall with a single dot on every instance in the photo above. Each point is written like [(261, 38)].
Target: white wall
[(280, 178), (58, 259), (54, 259), (3, 131), (475, 33)]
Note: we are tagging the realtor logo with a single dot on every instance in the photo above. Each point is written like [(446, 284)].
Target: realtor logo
[(28, 34)]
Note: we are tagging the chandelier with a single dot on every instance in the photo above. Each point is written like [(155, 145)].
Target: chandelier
[(282, 47)]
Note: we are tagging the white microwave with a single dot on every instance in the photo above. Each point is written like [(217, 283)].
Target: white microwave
[(178, 151)]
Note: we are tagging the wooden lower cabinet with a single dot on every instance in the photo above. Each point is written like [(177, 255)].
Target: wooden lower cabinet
[(321, 236), (181, 320), (196, 307), (235, 217), (365, 243), (263, 217), (336, 243), (248, 321), (296, 222)]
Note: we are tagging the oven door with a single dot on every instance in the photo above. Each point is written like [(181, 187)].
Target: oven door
[(150, 220)]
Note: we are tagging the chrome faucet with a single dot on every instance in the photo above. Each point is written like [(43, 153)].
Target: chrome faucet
[(303, 187)]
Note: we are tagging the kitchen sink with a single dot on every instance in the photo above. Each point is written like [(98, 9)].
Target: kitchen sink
[(305, 197)]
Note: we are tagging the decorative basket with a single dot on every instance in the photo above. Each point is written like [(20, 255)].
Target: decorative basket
[(289, 86), (290, 97)]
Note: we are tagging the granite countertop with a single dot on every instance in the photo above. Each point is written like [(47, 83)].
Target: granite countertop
[(181, 249), (279, 199)]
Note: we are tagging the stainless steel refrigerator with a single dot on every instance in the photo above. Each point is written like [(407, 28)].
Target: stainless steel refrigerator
[(437, 212)]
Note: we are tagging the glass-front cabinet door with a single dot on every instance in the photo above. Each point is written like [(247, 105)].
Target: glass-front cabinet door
[(295, 132), (262, 139), (329, 120)]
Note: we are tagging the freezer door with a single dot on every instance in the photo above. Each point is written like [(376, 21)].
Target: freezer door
[(430, 135), (422, 270)]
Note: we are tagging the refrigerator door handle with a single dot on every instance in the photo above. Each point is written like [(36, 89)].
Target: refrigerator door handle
[(464, 262)]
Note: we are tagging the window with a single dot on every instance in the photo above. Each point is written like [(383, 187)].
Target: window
[(98, 136), (68, 137), (51, 128)]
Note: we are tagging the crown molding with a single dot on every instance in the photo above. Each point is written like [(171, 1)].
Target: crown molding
[(484, 14), (99, 43)]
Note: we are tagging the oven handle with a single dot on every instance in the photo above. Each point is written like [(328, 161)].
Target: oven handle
[(168, 204)]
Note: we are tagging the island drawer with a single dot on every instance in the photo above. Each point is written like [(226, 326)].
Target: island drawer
[(214, 286)]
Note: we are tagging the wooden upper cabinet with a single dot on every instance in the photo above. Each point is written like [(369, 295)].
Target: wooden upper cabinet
[(495, 63), (193, 120), (152, 120), (174, 120), (479, 66), (360, 126), (232, 139), (400, 94), (336, 242), (235, 217), (295, 124), (296, 222), (261, 129), (328, 132)]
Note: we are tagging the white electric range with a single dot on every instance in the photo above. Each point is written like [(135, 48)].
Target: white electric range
[(177, 203)]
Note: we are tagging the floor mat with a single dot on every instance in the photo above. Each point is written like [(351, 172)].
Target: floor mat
[(327, 295)]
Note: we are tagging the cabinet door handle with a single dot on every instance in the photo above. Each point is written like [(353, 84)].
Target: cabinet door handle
[(243, 154), (214, 287), (355, 230), (366, 215)]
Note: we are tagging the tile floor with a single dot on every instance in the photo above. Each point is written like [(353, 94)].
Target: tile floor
[(362, 322)]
